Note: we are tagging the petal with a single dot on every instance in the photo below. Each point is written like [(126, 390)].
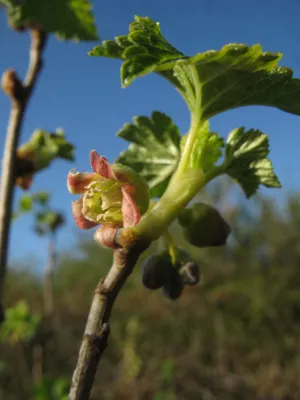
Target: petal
[(77, 181), (80, 220), (130, 210), (106, 235), (101, 165)]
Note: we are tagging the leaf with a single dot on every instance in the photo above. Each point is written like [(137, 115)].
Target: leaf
[(48, 221), (246, 161), (51, 389), (25, 203), (68, 19), (206, 149), (144, 50), (154, 150), (20, 324), (235, 76), (41, 198), (43, 147)]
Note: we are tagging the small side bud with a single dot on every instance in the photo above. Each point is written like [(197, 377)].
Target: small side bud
[(173, 287), (12, 86), (106, 236), (156, 270)]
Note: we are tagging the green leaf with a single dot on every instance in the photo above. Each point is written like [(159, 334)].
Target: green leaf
[(51, 389), (207, 148), (25, 203), (144, 50), (68, 19), (154, 150), (41, 198), (48, 221), (43, 147), (20, 324), (214, 81), (246, 161)]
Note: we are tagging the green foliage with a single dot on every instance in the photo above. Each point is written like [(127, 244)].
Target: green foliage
[(51, 389), (25, 203), (46, 220), (207, 148), (246, 161), (44, 147), (68, 19), (235, 76), (166, 375), (41, 198), (154, 149), (20, 324), (236, 336), (131, 362)]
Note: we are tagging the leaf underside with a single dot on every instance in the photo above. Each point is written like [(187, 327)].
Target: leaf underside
[(68, 19), (247, 162)]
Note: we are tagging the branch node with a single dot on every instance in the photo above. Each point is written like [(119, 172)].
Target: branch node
[(99, 342), (12, 86)]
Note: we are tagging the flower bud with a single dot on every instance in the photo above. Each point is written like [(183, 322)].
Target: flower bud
[(112, 194), (141, 193), (190, 273), (12, 85), (203, 226), (173, 287), (106, 236), (156, 270)]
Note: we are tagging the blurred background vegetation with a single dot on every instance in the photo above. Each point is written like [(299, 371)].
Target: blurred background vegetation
[(234, 336)]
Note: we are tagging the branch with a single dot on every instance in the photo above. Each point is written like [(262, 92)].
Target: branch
[(47, 278), (20, 94), (97, 328)]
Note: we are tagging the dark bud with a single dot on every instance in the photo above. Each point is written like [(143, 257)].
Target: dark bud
[(190, 273), (203, 226), (156, 270), (174, 285), (24, 167)]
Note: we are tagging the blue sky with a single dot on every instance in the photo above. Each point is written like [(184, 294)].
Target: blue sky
[(83, 95)]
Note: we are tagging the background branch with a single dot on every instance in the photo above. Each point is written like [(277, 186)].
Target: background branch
[(97, 328), (19, 94)]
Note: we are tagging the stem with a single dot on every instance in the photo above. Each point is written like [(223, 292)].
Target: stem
[(23, 367), (18, 108), (196, 123), (171, 246), (37, 363), (47, 278), (97, 329)]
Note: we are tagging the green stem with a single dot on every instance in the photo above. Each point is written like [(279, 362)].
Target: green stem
[(171, 246), (196, 122), (184, 185), (177, 196), (157, 220)]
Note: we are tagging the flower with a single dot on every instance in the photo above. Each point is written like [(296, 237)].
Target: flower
[(113, 195)]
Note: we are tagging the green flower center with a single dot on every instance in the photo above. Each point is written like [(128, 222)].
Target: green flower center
[(102, 201)]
